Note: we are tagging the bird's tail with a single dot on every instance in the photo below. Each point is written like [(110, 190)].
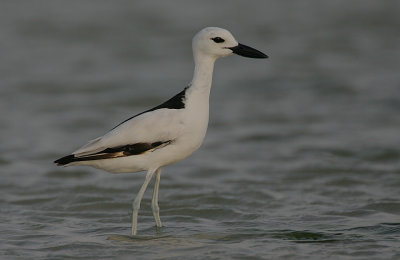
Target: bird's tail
[(66, 160)]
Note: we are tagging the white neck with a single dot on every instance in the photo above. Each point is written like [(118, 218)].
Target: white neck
[(197, 98), (203, 72)]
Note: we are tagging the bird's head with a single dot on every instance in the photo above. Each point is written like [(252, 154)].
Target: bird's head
[(217, 42)]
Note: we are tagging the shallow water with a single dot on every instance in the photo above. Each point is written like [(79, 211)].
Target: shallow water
[(301, 160)]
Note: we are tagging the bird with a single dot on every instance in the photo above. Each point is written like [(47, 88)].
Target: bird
[(166, 133)]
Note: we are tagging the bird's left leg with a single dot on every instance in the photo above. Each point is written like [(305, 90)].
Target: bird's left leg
[(154, 201)]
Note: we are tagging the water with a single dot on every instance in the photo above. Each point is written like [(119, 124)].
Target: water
[(301, 160)]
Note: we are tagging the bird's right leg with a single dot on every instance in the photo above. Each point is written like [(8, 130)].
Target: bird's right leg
[(138, 199), (154, 201)]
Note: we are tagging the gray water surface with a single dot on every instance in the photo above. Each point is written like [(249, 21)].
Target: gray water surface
[(302, 154)]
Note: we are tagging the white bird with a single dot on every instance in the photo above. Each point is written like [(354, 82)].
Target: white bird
[(166, 133)]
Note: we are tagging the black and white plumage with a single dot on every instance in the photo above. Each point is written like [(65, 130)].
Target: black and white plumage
[(166, 133)]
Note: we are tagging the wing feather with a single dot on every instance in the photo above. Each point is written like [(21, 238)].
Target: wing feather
[(154, 126)]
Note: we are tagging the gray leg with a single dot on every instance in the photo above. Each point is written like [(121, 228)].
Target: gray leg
[(138, 199), (154, 202)]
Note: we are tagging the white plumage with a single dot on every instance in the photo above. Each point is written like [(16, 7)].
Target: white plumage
[(167, 133)]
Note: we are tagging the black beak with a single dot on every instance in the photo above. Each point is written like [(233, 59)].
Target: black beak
[(247, 51)]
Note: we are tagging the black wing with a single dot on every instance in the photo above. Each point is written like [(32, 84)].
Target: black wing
[(109, 153)]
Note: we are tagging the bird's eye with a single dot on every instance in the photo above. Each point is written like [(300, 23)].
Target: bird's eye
[(217, 39)]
